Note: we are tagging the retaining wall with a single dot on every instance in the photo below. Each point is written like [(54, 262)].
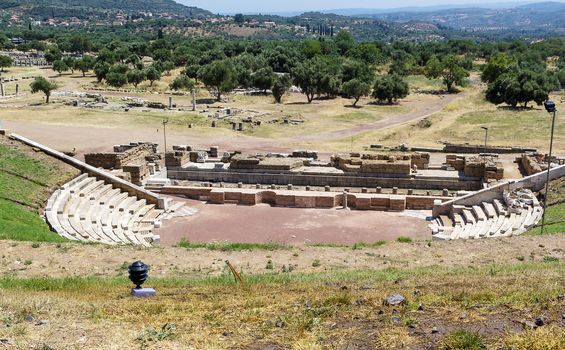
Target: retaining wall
[(305, 199), (534, 182), (345, 180), (116, 182)]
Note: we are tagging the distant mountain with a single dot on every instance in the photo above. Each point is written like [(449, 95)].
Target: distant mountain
[(82, 8), (548, 6), (547, 17), (372, 11)]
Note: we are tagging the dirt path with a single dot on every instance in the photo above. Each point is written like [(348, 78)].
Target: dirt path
[(20, 259), (420, 111)]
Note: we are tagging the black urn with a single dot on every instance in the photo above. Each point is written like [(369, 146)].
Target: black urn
[(138, 273)]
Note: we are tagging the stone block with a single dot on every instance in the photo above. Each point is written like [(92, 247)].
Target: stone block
[(363, 203), (285, 200), (304, 201), (397, 203), (249, 198), (217, 197), (325, 202)]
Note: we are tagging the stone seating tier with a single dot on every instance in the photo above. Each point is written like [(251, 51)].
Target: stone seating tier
[(485, 220), (87, 209)]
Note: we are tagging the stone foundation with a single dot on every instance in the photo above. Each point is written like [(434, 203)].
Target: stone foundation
[(305, 199)]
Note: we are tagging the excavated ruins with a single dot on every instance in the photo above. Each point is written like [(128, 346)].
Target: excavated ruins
[(123, 195)]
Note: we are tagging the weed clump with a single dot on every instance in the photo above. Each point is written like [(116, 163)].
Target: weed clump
[(403, 239), (463, 339)]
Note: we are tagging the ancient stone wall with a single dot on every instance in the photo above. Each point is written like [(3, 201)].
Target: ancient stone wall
[(264, 163), (531, 164), (474, 166), (336, 180), (305, 154), (302, 199), (122, 155), (177, 158), (465, 148), (138, 172)]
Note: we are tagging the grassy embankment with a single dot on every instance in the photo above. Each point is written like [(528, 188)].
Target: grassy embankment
[(25, 185), (555, 215)]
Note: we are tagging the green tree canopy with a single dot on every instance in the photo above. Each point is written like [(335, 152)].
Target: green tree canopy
[(366, 52), (53, 54), (135, 76), (5, 62), (101, 69), (152, 74), (356, 88), (344, 41), (495, 67), (263, 78), (449, 68), (390, 88), (219, 76), (521, 86), (85, 64), (183, 82), (60, 66), (116, 79), (40, 84), (281, 85)]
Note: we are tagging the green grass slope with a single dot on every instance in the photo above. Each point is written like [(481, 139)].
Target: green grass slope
[(27, 179), (555, 215)]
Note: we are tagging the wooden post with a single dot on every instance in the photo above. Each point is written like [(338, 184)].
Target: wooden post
[(236, 274)]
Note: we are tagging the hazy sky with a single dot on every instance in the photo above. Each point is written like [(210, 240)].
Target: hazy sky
[(256, 6)]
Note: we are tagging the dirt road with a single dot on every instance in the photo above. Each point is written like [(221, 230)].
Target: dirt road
[(67, 137)]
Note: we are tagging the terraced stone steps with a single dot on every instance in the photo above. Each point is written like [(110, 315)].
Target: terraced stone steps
[(87, 209), (484, 220)]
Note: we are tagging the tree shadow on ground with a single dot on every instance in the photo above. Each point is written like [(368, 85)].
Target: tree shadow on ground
[(518, 108), (354, 107), (383, 103), (298, 103), (207, 101)]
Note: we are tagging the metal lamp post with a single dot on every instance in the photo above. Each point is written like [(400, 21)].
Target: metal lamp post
[(550, 108), (486, 138), (165, 122)]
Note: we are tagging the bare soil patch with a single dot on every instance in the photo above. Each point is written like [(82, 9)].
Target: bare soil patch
[(59, 260), (263, 223)]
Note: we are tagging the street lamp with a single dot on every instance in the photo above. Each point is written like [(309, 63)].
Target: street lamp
[(550, 108), (486, 138)]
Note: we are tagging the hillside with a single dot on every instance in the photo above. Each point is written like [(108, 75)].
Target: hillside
[(82, 8), (27, 179)]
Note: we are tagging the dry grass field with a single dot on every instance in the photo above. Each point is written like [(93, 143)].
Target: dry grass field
[(313, 304), (328, 125)]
